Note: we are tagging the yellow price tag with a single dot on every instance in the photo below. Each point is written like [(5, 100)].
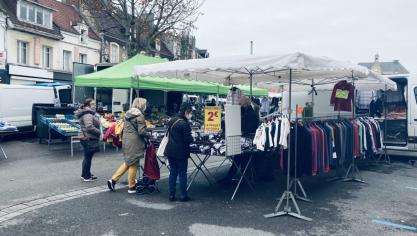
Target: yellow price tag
[(342, 94), (212, 119)]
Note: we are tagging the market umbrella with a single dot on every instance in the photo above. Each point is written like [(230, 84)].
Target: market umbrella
[(269, 68)]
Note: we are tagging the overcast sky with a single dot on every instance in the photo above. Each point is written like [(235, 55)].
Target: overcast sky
[(353, 30)]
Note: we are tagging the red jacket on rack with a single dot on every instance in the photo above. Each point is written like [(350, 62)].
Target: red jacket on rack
[(342, 96)]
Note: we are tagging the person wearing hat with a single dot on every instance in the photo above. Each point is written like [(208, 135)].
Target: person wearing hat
[(178, 150)]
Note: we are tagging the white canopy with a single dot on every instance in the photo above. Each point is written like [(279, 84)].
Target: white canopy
[(271, 69)]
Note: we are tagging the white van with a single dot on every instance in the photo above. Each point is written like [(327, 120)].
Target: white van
[(16, 101), (401, 121)]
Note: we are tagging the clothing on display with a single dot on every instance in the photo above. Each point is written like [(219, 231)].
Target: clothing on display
[(272, 134), (376, 108), (342, 96), (325, 145), (364, 98), (265, 106)]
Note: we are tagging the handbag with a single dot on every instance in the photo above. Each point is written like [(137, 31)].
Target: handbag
[(164, 142), (90, 145)]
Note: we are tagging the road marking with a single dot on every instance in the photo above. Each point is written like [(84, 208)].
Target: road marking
[(150, 205), (411, 188), (399, 226), (215, 230)]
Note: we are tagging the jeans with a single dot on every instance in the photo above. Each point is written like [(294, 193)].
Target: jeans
[(178, 168), (86, 165)]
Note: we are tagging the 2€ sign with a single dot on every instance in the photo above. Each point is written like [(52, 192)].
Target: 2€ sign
[(212, 119)]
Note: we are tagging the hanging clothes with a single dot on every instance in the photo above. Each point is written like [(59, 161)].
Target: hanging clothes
[(324, 145), (342, 96)]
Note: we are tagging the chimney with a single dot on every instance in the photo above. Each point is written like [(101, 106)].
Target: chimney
[(376, 67)]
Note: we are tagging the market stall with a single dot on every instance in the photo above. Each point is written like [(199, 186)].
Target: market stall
[(294, 69), (121, 76)]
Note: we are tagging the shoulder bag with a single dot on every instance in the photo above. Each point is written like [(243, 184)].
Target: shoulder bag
[(164, 142)]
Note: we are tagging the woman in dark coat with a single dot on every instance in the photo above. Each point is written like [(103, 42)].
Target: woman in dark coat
[(90, 132), (133, 143), (178, 151)]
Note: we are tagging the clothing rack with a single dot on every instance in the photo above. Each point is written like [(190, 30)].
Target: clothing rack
[(288, 196)]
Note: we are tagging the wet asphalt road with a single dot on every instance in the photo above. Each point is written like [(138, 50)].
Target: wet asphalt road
[(338, 208)]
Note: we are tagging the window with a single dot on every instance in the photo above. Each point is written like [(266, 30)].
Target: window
[(32, 13), (22, 49), (83, 58), (39, 17), (67, 61), (114, 53), (46, 57), (23, 11), (47, 19), (35, 15)]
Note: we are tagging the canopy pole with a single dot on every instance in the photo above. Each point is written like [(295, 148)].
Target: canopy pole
[(217, 97), (73, 94), (131, 97), (288, 195), (353, 171), (312, 95), (250, 81), (95, 93), (385, 156)]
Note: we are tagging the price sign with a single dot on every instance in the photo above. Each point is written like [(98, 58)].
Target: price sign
[(212, 119)]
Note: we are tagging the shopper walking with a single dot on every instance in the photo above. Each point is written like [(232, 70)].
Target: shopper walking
[(133, 144), (178, 151), (90, 134)]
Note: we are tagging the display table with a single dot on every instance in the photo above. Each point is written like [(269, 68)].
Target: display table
[(211, 145), (2, 135), (242, 170)]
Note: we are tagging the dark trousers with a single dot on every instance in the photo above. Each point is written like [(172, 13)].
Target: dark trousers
[(178, 168), (86, 165)]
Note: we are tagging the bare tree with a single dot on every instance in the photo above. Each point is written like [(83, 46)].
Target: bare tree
[(144, 21)]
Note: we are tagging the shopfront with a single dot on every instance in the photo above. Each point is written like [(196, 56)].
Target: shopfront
[(26, 75)]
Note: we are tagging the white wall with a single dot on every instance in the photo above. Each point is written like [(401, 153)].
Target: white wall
[(70, 43), (2, 40)]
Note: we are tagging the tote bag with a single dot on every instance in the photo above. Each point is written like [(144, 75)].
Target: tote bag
[(164, 142)]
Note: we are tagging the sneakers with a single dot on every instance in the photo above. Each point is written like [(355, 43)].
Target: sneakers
[(111, 184), (91, 179), (131, 190), (172, 198)]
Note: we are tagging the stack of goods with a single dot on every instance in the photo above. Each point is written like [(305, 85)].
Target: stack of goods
[(157, 120), (113, 134), (205, 143), (5, 127), (62, 124)]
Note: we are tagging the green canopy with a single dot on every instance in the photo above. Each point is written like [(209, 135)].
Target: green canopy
[(121, 76)]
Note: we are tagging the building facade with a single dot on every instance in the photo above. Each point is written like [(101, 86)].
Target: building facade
[(44, 38)]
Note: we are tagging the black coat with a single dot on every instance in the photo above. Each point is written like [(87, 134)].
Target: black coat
[(179, 140), (250, 121)]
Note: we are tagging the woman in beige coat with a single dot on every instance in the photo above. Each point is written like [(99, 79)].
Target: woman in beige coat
[(133, 143)]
